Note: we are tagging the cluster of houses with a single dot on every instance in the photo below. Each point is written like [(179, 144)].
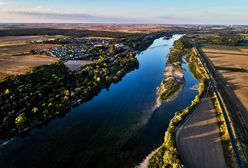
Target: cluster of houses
[(69, 52), (79, 48), (76, 48)]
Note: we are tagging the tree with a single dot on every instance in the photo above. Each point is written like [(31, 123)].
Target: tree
[(20, 121), (67, 92), (7, 92), (35, 110)]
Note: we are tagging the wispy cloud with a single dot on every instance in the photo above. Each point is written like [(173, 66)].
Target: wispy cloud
[(49, 15)]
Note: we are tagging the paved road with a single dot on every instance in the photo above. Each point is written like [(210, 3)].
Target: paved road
[(198, 138)]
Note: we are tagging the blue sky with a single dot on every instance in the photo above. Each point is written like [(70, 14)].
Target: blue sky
[(126, 11)]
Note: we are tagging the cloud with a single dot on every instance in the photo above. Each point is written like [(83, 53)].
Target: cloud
[(42, 14), (47, 16)]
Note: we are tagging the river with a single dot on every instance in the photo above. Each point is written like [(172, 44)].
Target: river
[(117, 128)]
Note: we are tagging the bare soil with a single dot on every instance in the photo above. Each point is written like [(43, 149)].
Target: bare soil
[(236, 82), (75, 65), (14, 49), (199, 139), (14, 65)]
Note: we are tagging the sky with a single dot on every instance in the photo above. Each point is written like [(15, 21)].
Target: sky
[(125, 11)]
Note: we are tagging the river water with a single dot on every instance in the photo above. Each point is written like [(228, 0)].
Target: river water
[(118, 128)]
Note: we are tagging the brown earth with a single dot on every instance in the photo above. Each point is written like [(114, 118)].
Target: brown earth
[(128, 28), (14, 49), (236, 82), (13, 65), (75, 65), (18, 38), (198, 139)]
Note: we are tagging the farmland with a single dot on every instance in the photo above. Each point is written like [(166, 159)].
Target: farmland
[(15, 56), (14, 65), (16, 45), (18, 49), (231, 65), (228, 61)]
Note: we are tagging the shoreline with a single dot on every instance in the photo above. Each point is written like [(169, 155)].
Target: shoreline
[(174, 75), (168, 155)]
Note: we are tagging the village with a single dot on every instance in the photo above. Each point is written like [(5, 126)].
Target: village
[(81, 48)]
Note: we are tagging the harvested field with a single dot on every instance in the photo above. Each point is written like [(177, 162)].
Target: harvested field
[(28, 38), (20, 48), (225, 49), (128, 28), (75, 65), (199, 139), (13, 65), (22, 40), (18, 38), (232, 58)]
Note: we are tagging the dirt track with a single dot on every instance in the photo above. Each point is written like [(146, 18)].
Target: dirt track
[(198, 139)]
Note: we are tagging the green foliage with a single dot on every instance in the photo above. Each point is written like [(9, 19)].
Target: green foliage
[(224, 39), (225, 139), (195, 66), (35, 110), (29, 99), (20, 121), (177, 52), (168, 87)]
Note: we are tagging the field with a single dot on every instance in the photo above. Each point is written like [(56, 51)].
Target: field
[(201, 133), (127, 28), (14, 40), (75, 65), (11, 46), (17, 49), (232, 65), (13, 65), (15, 45)]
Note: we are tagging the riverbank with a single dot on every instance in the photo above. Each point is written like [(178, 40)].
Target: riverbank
[(167, 155), (174, 73)]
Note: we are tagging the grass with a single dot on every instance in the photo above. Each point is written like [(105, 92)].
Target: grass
[(225, 140)]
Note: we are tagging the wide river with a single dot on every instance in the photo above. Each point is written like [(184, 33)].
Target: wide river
[(118, 128)]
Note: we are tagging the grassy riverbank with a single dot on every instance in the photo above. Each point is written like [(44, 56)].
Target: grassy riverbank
[(225, 139), (167, 155)]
